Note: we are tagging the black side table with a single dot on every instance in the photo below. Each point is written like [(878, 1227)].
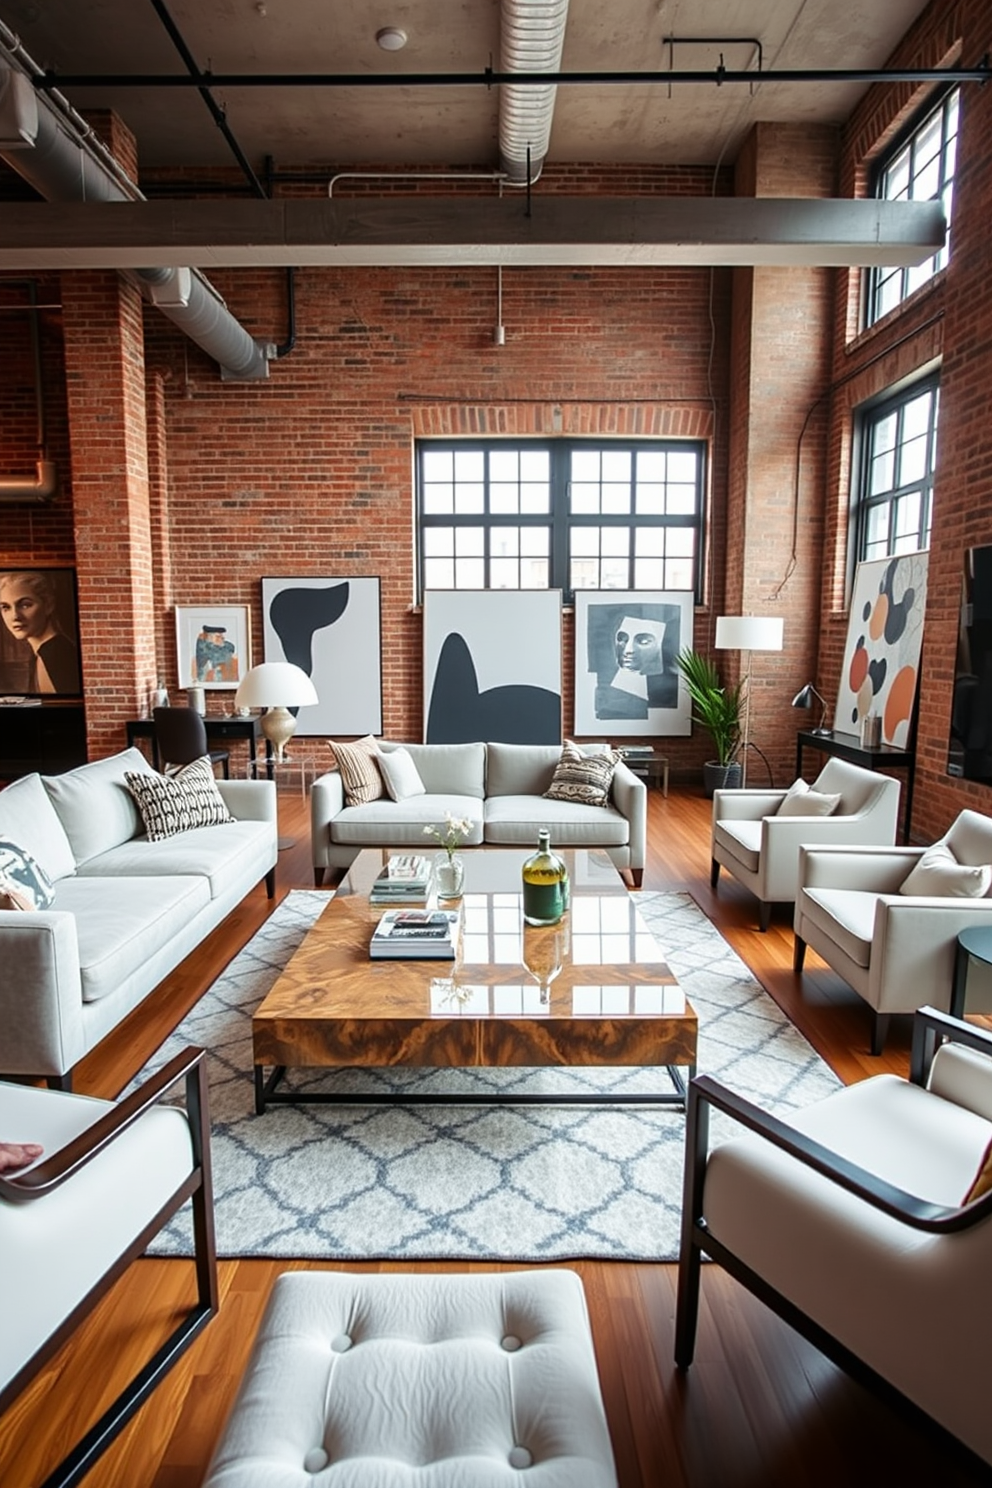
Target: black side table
[(974, 943)]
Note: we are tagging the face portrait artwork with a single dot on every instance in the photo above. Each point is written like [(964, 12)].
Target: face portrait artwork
[(631, 651), (638, 646), (37, 609)]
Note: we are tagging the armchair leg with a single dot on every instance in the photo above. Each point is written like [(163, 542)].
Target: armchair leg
[(714, 872), (798, 955), (318, 876), (764, 913), (637, 874), (270, 883), (879, 1031)]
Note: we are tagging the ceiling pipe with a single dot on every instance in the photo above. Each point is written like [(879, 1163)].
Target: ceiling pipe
[(48, 152), (17, 489), (532, 33)]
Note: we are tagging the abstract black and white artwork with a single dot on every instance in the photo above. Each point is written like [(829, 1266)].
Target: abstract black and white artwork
[(331, 629), (492, 666), (626, 677)]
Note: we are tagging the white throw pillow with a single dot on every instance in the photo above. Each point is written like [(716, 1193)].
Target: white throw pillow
[(939, 874), (400, 774), (799, 800)]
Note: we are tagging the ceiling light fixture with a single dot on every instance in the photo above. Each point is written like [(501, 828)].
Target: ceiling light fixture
[(391, 39)]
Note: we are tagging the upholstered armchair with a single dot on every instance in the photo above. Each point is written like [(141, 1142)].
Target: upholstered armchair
[(852, 1222), (111, 1176), (896, 950), (761, 848)]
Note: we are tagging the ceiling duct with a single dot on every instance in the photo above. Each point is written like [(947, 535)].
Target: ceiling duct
[(42, 147), (532, 33)]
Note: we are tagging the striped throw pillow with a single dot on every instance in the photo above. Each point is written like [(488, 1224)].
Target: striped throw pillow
[(170, 804), (360, 774), (583, 779)]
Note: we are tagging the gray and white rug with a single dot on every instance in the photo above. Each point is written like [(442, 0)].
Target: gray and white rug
[(529, 1183)]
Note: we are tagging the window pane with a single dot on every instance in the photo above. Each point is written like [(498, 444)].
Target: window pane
[(439, 542), (534, 541), (616, 465), (680, 574), (882, 470), (535, 465), (469, 499), (681, 542), (504, 498), (438, 500), (535, 498), (439, 465), (583, 573), (649, 541), (649, 573), (470, 542), (916, 415), (681, 501), (504, 465), (927, 183), (884, 432), (615, 573), (616, 499), (585, 466), (650, 501), (504, 574), (615, 540), (439, 573), (585, 541), (504, 541), (878, 524), (534, 573), (651, 466), (584, 499), (469, 465), (470, 573), (912, 461), (908, 516)]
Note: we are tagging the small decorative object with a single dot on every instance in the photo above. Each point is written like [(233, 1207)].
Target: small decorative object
[(449, 867), (196, 699), (871, 731), (545, 884), (160, 695), (276, 686)]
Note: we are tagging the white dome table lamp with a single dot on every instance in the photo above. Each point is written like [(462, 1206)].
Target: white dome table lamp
[(276, 686)]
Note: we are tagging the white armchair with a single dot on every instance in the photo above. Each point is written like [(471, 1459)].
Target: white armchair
[(896, 950), (851, 1223), (112, 1174), (761, 849)]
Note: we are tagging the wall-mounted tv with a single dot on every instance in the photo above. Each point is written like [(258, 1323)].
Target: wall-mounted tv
[(970, 750)]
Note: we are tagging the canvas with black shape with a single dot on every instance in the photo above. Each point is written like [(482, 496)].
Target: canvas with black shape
[(331, 629), (492, 666)]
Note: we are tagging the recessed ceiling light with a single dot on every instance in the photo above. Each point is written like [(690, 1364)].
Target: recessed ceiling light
[(391, 39)]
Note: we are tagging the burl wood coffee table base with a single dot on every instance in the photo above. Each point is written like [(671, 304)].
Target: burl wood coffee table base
[(614, 1002)]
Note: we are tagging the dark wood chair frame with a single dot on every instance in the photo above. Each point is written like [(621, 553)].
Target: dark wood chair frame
[(930, 1029), (190, 1066)]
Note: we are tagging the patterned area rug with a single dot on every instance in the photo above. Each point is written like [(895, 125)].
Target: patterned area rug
[(474, 1182)]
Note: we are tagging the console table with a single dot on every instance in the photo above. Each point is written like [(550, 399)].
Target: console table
[(884, 757), (221, 728), (48, 736)]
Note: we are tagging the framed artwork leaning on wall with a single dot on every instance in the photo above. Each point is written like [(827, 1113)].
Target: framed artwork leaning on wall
[(626, 678), (332, 629), (39, 633), (213, 645)]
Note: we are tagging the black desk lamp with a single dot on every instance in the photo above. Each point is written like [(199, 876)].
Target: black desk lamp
[(804, 699)]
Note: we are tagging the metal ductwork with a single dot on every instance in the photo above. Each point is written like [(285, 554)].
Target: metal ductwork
[(532, 33), (40, 145)]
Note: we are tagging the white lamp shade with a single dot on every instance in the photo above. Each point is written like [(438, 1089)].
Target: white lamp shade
[(749, 633), (275, 684)]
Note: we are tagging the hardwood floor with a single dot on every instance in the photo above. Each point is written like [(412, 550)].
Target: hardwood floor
[(758, 1407)]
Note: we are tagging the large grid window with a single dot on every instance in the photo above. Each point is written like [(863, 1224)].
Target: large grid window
[(898, 446), (920, 167), (561, 514)]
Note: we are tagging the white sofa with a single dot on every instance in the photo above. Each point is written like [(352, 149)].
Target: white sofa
[(498, 788), (126, 910)]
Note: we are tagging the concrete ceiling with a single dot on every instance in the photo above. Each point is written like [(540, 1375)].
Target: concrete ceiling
[(689, 124)]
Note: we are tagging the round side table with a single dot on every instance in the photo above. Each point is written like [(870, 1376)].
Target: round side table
[(975, 944)]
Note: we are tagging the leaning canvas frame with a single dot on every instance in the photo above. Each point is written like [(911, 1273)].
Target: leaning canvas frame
[(884, 642), (492, 666), (19, 674), (213, 645), (332, 629), (611, 699)]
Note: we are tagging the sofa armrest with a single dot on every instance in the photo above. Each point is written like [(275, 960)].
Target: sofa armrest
[(630, 797), (876, 870), (745, 805), (250, 800), (41, 997)]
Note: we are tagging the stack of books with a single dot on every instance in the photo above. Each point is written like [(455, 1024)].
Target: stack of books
[(410, 934), (404, 880)]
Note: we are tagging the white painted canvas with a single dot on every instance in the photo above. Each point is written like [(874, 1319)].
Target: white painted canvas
[(884, 642), (492, 666), (626, 679), (331, 629)]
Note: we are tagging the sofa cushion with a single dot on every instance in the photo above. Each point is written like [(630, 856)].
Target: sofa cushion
[(28, 818), (122, 922), (23, 881), (447, 769), (741, 839), (94, 804), (400, 775), (360, 776), (516, 820), (173, 804), (218, 855), (402, 823), (847, 916), (583, 778), (520, 769)]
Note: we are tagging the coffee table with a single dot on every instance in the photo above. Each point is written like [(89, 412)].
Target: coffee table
[(593, 990)]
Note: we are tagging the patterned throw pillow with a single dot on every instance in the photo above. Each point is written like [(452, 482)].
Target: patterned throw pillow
[(359, 771), (583, 779), (24, 884), (170, 804)]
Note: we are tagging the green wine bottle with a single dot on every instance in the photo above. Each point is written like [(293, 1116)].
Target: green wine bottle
[(545, 884)]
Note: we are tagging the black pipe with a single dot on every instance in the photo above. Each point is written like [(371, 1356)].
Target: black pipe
[(50, 79), (286, 346)]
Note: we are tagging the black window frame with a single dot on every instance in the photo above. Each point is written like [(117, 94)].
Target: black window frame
[(869, 416), (877, 276), (559, 518)]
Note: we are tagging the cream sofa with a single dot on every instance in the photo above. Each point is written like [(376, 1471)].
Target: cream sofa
[(126, 910), (498, 788)]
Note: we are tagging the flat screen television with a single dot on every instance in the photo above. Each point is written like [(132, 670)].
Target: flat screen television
[(970, 750)]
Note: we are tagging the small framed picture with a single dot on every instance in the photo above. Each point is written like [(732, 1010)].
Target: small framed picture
[(39, 633), (213, 645)]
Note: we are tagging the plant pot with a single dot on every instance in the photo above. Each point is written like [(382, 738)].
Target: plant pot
[(721, 777)]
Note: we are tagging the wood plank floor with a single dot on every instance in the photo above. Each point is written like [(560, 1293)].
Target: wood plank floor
[(759, 1408)]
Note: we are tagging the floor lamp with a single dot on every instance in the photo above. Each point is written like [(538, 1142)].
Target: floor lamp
[(748, 633)]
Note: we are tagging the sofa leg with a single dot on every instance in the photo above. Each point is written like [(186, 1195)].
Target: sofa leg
[(879, 1031), (714, 872), (318, 877), (637, 876), (270, 883), (798, 955), (764, 913), (59, 1082)]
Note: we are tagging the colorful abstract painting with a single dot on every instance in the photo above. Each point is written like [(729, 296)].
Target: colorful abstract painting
[(884, 641)]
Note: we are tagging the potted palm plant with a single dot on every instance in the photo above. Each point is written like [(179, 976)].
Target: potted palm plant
[(718, 709)]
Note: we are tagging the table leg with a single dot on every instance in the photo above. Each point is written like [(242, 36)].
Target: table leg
[(960, 983)]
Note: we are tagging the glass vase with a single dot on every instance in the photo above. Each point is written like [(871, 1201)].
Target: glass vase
[(449, 875)]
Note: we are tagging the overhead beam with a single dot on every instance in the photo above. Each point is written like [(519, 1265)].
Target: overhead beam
[(632, 232)]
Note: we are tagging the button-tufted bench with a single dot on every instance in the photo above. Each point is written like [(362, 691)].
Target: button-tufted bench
[(451, 1381)]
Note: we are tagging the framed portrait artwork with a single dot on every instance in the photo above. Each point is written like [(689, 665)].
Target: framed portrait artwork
[(213, 645), (884, 642), (492, 666), (39, 633), (331, 628), (626, 678)]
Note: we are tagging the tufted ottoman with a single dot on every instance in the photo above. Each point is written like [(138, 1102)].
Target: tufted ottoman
[(413, 1381)]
